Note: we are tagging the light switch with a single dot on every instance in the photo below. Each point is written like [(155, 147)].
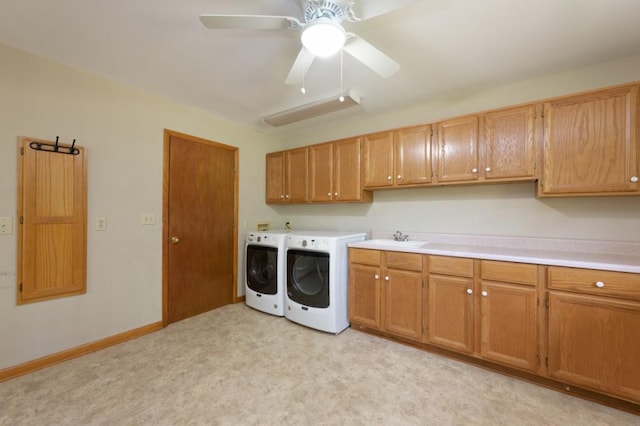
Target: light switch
[(101, 223), (6, 225)]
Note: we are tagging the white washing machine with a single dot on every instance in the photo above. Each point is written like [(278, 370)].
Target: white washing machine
[(317, 279), (265, 271)]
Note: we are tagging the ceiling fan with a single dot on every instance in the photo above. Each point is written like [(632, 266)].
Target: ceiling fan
[(322, 31)]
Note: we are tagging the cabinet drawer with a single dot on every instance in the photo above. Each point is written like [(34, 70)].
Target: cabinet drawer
[(364, 256), (400, 260), (590, 281), (509, 272), (457, 266)]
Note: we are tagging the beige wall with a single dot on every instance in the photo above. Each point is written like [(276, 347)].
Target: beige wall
[(122, 130), (507, 209)]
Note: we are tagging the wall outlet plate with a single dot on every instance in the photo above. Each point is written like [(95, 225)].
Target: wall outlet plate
[(101, 223), (6, 225), (262, 226), (148, 219)]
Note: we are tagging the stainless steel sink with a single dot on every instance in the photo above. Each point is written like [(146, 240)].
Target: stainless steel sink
[(394, 243)]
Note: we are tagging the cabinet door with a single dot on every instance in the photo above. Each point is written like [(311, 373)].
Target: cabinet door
[(347, 176), (450, 312), (458, 149), (321, 172), (275, 177), (297, 166), (413, 156), (595, 342), (364, 295), (402, 304), (508, 318), (508, 143), (378, 160), (591, 143)]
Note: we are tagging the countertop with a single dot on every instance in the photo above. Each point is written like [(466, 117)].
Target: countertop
[(589, 254)]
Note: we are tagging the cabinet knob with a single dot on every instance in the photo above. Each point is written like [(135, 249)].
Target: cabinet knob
[(386, 277), (487, 169), (389, 178), (328, 194), (282, 196), (474, 170), (175, 240), (485, 294), (599, 284), (399, 176), (634, 179), (376, 276), (335, 194), (469, 291)]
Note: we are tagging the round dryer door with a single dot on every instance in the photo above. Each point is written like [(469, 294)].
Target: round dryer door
[(308, 278), (262, 269)]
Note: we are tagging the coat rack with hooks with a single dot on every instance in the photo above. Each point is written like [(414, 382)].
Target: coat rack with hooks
[(60, 149)]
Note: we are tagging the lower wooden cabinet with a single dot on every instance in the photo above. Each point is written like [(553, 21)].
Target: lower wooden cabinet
[(450, 312), (385, 291)]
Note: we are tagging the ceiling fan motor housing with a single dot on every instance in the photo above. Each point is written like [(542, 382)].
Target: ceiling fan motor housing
[(328, 9)]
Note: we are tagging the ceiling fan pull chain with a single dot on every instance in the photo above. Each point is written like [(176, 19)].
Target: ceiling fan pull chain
[(302, 89), (341, 98)]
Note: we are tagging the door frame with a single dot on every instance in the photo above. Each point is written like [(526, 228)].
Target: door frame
[(165, 217)]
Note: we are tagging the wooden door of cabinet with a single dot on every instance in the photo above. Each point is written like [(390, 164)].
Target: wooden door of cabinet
[(402, 289), (286, 176), (450, 312), (458, 150), (591, 144), (508, 324), (364, 295), (508, 144), (321, 172), (413, 156), (378, 160), (595, 342)]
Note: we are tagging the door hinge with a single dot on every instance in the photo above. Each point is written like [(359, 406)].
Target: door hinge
[(20, 287), (21, 220)]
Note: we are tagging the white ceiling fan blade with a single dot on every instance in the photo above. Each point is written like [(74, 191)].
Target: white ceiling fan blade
[(249, 22), (300, 67), (371, 57)]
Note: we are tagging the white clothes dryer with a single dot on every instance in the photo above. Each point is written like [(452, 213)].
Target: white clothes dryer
[(265, 271), (317, 274)]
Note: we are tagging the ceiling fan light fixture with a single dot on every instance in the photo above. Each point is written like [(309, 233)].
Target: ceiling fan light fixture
[(323, 38)]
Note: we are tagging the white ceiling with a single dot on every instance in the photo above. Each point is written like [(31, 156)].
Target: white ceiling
[(444, 47)]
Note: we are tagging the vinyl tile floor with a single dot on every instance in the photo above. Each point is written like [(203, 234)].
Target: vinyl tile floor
[(238, 366)]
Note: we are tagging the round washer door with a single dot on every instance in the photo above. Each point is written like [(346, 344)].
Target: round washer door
[(308, 278), (262, 269)]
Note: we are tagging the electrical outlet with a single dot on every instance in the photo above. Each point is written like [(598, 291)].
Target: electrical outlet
[(6, 225), (264, 226), (148, 219), (101, 223)]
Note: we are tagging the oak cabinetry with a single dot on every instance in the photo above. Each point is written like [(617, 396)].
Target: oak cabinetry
[(594, 330), (398, 158), (286, 180), (450, 303), (508, 314), (385, 291), (458, 149), (591, 144), (508, 144), (335, 172)]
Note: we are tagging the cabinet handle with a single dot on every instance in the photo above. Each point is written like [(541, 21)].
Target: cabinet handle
[(386, 278), (488, 169), (335, 194), (328, 194), (599, 284), (485, 294), (469, 291), (389, 178), (474, 170), (282, 196), (399, 176), (286, 196), (634, 179), (376, 276)]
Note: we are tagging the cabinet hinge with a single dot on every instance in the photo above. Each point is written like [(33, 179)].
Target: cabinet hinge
[(546, 303), (538, 360), (20, 287), (22, 150), (546, 361), (538, 302), (21, 220)]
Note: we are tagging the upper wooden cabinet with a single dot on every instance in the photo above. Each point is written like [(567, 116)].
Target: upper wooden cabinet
[(591, 144), (286, 180), (508, 144), (398, 158), (458, 149), (335, 172)]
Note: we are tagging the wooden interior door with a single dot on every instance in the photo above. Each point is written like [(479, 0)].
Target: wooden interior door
[(200, 232)]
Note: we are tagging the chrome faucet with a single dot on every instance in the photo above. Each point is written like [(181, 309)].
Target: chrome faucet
[(399, 236)]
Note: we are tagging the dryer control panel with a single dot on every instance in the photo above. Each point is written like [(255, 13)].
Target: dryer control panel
[(320, 244)]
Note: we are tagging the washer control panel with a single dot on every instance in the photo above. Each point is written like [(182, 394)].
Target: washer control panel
[(307, 243)]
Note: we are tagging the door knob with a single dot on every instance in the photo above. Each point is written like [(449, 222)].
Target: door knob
[(175, 240)]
